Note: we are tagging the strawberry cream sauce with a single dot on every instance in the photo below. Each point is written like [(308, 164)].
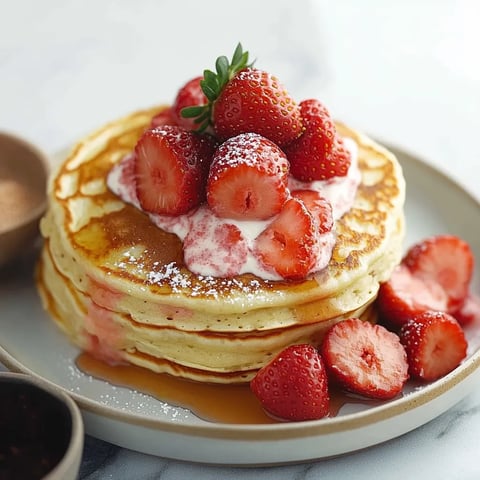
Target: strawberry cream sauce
[(223, 247)]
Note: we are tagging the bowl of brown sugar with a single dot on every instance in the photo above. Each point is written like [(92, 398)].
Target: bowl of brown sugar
[(23, 181)]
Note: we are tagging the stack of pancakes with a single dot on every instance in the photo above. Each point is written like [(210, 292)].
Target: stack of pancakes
[(118, 287)]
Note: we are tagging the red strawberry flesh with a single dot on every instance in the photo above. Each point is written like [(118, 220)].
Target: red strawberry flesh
[(404, 296), (435, 344), (365, 359), (286, 245), (447, 260), (247, 179), (170, 169)]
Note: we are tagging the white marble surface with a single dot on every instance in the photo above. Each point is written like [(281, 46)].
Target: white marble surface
[(407, 72)]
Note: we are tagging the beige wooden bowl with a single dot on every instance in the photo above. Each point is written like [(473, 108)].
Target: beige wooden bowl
[(23, 180)]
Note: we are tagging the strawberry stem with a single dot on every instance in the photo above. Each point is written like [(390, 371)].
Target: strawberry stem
[(213, 84)]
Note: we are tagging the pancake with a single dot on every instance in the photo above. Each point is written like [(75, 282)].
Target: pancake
[(118, 286)]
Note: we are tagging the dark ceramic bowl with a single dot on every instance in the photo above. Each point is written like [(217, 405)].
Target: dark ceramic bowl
[(41, 430)]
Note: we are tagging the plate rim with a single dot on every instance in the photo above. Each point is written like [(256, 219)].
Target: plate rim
[(289, 430)]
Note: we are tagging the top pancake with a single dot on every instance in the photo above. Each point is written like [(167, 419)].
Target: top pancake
[(94, 235)]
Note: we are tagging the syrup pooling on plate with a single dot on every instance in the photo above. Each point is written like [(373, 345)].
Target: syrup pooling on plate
[(214, 403)]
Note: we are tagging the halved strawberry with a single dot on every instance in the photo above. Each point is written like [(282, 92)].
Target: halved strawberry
[(170, 169), (403, 296), (286, 245), (255, 101), (365, 359), (319, 153), (447, 260), (164, 117), (469, 312), (294, 385), (190, 95), (435, 344), (248, 178), (318, 206)]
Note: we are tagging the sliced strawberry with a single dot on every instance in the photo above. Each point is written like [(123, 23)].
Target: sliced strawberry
[(403, 296), (365, 359), (469, 312), (170, 169), (319, 153), (165, 117), (294, 385), (435, 344), (447, 260), (255, 101), (190, 95), (318, 206), (286, 245), (248, 178)]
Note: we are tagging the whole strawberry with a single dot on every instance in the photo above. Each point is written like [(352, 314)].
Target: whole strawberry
[(244, 99), (190, 95), (319, 153), (294, 386)]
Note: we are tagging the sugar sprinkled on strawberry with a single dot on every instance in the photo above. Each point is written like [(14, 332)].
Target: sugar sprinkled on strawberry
[(248, 178), (435, 344), (294, 385), (365, 359), (447, 260), (255, 101), (171, 164)]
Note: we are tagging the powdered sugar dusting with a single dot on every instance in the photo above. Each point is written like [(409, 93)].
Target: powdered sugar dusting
[(201, 231)]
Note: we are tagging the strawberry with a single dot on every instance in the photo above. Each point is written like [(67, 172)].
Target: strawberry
[(190, 95), (170, 169), (435, 344), (294, 385), (469, 312), (404, 296), (318, 206), (255, 101), (365, 359), (447, 260), (319, 153), (248, 178), (164, 117), (242, 99), (286, 245)]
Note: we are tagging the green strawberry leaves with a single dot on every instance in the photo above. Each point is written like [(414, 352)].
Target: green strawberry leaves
[(213, 84)]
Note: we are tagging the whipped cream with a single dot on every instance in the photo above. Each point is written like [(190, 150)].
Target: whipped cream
[(206, 251)]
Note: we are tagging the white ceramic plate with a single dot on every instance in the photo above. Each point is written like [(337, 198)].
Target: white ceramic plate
[(29, 342)]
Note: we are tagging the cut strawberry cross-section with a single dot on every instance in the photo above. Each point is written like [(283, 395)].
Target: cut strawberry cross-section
[(286, 245), (171, 165), (248, 178)]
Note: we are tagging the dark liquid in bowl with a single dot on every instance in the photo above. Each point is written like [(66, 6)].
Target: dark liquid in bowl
[(35, 431)]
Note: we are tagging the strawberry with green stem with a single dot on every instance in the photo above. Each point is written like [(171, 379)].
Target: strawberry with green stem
[(242, 99)]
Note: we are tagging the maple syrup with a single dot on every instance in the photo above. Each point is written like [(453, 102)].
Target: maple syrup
[(219, 403)]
